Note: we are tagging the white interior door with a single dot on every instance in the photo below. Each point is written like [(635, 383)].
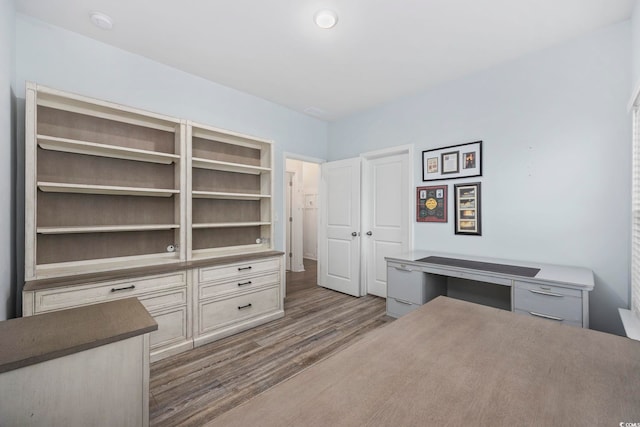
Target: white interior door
[(339, 240), (386, 227)]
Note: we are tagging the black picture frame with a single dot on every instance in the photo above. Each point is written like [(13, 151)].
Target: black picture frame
[(468, 213), (450, 162), (438, 164), (431, 203)]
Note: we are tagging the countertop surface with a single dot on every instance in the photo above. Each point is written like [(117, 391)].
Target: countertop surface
[(129, 273), (29, 340), (577, 277)]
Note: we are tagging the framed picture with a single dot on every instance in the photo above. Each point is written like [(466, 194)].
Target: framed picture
[(455, 161), (450, 162), (431, 203), (467, 209)]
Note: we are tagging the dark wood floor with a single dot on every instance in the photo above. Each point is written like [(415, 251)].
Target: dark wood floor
[(196, 386)]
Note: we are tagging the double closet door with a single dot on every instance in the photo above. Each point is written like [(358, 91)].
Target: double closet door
[(365, 217)]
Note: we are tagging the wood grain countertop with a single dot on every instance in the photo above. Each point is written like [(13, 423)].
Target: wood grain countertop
[(35, 339), (128, 273)]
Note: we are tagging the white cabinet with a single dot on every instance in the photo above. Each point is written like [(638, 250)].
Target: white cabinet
[(408, 288), (556, 293), (114, 191), (548, 302), (238, 296), (85, 366), (110, 187), (103, 185), (165, 296), (230, 188)]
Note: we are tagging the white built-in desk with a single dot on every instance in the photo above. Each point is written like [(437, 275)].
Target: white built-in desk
[(554, 292)]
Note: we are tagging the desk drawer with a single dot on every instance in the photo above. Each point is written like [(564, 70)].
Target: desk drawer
[(405, 284), (544, 316), (237, 270), (399, 307), (552, 302)]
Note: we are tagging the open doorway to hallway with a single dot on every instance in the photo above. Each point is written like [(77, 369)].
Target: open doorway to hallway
[(301, 212)]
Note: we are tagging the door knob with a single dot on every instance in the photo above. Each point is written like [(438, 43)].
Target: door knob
[(369, 233), (354, 234)]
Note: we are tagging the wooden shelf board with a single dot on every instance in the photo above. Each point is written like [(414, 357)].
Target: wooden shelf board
[(104, 150), (230, 224), (105, 228), (57, 187), (201, 163), (60, 100), (221, 195)]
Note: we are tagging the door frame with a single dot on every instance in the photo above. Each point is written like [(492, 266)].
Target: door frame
[(297, 228), (288, 213), (366, 200)]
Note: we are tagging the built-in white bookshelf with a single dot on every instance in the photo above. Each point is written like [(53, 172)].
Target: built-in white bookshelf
[(229, 208), (108, 186), (103, 185)]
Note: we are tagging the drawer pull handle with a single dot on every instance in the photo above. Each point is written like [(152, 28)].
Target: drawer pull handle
[(245, 283), (128, 288), (402, 302), (551, 294), (244, 268), (403, 269), (546, 316), (242, 307)]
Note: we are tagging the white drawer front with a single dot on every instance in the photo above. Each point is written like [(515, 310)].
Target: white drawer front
[(405, 284), (547, 288), (164, 300), (544, 316), (398, 308), (242, 269), (59, 298), (548, 303), (222, 312), (218, 288), (172, 328)]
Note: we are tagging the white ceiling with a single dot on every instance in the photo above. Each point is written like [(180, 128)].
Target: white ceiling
[(380, 49)]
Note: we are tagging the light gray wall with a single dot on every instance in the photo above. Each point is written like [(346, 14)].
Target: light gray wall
[(64, 60), (556, 158), (7, 137), (635, 45)]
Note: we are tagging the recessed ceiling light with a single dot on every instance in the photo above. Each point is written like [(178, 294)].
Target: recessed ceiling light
[(325, 18), (101, 20)]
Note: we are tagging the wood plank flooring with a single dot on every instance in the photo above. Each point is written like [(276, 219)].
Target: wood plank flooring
[(194, 387)]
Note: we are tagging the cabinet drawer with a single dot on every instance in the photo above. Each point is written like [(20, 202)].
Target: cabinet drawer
[(221, 312), (537, 287), (406, 285), (230, 271), (172, 327), (543, 302), (210, 290), (172, 298), (543, 316), (398, 307), (56, 299)]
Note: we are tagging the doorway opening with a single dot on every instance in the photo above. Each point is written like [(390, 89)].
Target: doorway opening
[(302, 179)]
